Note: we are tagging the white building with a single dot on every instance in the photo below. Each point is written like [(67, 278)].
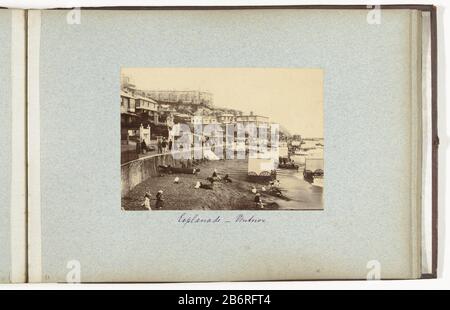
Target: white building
[(226, 118)]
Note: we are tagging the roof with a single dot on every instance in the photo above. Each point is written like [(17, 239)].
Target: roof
[(139, 107), (125, 94), (254, 115), (129, 113), (181, 115), (146, 99)]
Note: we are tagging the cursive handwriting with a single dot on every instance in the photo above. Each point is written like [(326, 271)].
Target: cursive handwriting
[(186, 219)]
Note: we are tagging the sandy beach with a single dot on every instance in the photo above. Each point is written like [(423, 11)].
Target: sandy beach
[(224, 196)]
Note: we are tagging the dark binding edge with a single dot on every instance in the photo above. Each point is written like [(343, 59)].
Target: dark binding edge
[(26, 149), (434, 147), (435, 141)]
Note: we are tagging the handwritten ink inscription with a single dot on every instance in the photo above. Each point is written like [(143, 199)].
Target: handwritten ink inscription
[(186, 219)]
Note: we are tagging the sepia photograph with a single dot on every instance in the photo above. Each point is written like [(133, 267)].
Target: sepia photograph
[(221, 139)]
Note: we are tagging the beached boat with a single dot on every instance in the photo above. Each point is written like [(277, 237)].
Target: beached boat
[(174, 170), (313, 168), (288, 166), (317, 181)]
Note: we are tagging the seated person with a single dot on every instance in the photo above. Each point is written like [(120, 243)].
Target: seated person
[(227, 179), (204, 186), (215, 175), (274, 187), (258, 201)]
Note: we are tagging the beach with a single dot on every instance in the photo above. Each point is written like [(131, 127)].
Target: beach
[(297, 193)]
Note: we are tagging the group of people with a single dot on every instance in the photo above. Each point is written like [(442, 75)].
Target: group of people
[(164, 145), (274, 187), (141, 147), (215, 177), (287, 163), (159, 204)]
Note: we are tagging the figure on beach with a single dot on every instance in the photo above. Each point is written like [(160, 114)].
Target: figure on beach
[(274, 187), (159, 200), (215, 175), (258, 201), (146, 203), (227, 179), (201, 185)]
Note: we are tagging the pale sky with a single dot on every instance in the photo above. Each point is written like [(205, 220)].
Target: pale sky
[(291, 97)]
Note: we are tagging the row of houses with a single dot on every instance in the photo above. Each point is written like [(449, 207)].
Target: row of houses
[(140, 111), (137, 108), (227, 118), (137, 112)]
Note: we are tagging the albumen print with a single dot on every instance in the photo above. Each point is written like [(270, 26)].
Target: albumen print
[(221, 139)]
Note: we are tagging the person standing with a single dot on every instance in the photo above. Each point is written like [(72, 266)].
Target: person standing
[(138, 147), (146, 203), (170, 145), (159, 147), (164, 145), (159, 200), (143, 146)]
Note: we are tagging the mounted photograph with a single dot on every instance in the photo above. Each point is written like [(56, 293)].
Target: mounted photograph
[(221, 139)]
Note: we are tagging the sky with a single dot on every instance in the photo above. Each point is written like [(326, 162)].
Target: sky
[(291, 97)]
